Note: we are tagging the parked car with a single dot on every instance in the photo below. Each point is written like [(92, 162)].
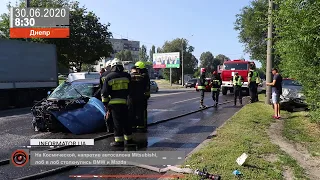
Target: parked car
[(191, 83), (208, 87), (292, 96), (154, 86)]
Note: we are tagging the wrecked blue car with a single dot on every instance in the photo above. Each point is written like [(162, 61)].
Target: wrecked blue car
[(71, 107)]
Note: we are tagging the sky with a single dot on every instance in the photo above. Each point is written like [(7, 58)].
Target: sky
[(208, 25)]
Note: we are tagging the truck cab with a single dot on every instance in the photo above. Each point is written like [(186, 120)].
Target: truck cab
[(228, 70)]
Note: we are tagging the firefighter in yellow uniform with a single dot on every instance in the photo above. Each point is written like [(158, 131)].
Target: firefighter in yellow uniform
[(114, 93), (254, 80), (143, 126), (202, 86), (237, 85)]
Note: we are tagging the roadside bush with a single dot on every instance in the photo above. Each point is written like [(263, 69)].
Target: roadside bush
[(297, 25)]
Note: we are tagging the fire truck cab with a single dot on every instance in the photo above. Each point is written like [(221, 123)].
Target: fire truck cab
[(228, 70)]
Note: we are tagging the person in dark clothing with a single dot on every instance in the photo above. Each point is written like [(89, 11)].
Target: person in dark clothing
[(276, 92), (103, 75), (237, 85), (202, 86), (146, 84), (114, 93), (137, 99), (216, 82)]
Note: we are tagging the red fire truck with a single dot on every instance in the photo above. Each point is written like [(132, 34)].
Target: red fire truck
[(228, 69)]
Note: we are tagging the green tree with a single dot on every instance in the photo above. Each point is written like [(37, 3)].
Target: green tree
[(124, 55), (209, 62), (88, 40), (222, 58), (298, 24), (252, 24), (190, 62), (151, 52), (143, 56), (159, 50)]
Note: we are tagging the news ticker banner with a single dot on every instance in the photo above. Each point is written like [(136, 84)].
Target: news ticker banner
[(95, 158), (61, 142), (37, 22)]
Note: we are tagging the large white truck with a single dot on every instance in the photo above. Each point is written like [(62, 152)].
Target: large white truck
[(27, 72)]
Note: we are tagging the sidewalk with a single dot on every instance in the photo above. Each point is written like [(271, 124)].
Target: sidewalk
[(277, 149), (164, 84)]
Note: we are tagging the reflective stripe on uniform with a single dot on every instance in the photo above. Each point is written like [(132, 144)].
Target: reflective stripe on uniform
[(217, 82), (104, 100), (127, 137), (201, 87), (214, 89), (118, 101), (238, 82), (118, 139), (119, 83), (103, 79)]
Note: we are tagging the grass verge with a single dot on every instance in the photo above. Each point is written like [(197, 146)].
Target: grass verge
[(245, 132), (300, 129), (164, 84)]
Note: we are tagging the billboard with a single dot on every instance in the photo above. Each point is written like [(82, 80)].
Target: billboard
[(166, 60)]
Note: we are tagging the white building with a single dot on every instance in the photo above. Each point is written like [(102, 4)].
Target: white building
[(119, 45)]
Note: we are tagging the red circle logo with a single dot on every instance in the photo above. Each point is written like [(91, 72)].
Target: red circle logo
[(19, 158)]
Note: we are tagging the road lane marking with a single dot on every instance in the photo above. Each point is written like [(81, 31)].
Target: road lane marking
[(185, 100), (168, 94)]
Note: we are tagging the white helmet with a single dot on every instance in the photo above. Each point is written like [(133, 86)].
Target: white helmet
[(116, 62), (108, 63)]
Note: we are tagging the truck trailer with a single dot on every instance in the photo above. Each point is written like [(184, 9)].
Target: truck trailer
[(27, 72)]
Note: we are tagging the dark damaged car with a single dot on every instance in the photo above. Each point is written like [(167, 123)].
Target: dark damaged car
[(292, 97), (71, 107)]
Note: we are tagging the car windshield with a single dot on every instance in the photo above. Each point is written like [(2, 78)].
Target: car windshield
[(152, 83), (69, 90), (290, 82), (235, 66)]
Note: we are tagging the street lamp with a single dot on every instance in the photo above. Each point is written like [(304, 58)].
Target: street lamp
[(182, 74)]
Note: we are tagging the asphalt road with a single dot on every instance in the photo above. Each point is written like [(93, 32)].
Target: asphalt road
[(181, 134), (16, 129)]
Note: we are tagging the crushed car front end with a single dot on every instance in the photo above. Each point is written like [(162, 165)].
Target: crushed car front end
[(71, 107)]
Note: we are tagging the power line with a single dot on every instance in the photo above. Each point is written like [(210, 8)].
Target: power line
[(144, 42)]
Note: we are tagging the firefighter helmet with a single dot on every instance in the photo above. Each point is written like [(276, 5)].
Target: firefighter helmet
[(108, 63), (203, 70), (140, 65), (116, 62)]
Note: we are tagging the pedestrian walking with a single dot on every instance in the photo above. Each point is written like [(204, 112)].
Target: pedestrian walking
[(237, 85), (276, 92), (253, 77), (137, 100), (141, 67), (202, 86), (115, 92), (215, 83)]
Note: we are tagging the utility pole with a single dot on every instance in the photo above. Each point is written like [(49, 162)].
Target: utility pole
[(269, 53), (182, 78)]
